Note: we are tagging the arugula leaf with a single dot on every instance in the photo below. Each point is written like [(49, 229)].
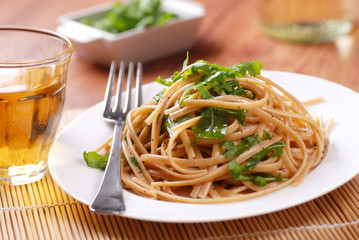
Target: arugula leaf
[(159, 95), (236, 170), (267, 135), (218, 83), (237, 89), (133, 161), (186, 94), (185, 62), (199, 66), (245, 144), (169, 123), (240, 115), (178, 75), (213, 123), (231, 148), (252, 68), (275, 150), (217, 77), (167, 82), (214, 79), (203, 92), (260, 179), (95, 160)]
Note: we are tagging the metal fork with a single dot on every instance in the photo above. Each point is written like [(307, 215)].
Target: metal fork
[(109, 198)]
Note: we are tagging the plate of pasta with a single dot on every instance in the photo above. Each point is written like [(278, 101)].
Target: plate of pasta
[(218, 143)]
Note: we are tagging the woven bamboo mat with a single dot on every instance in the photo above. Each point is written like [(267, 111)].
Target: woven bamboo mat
[(42, 210)]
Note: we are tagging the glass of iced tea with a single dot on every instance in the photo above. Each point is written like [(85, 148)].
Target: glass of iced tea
[(33, 72)]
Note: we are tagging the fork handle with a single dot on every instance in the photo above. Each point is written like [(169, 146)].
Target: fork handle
[(109, 198)]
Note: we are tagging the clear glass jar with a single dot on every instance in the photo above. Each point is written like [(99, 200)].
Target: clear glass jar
[(307, 21)]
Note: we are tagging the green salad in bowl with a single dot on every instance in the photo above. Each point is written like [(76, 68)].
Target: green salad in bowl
[(136, 14), (137, 30)]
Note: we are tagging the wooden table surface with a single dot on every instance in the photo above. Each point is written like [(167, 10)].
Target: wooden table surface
[(229, 33)]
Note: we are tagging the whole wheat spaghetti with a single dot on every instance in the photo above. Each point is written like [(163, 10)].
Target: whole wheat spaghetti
[(219, 134)]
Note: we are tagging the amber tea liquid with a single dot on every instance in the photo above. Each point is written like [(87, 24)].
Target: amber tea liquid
[(33, 75), (30, 109)]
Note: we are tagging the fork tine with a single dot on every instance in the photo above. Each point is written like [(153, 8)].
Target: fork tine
[(121, 74), (127, 105), (109, 89), (138, 99)]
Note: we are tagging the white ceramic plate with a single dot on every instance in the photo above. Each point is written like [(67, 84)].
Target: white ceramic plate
[(341, 163)]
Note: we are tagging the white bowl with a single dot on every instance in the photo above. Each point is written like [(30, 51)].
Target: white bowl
[(137, 44)]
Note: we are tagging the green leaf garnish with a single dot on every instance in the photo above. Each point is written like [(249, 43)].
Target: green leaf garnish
[(218, 79), (159, 95), (267, 135), (240, 115), (215, 72), (133, 161), (245, 144), (214, 80), (232, 150), (213, 123), (95, 160), (260, 179), (236, 170), (169, 123), (166, 82), (252, 68), (275, 150), (203, 92)]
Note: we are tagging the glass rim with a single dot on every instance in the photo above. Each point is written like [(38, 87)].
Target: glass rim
[(44, 61)]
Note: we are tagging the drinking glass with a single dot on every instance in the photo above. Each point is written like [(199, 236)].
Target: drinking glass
[(307, 21), (33, 73)]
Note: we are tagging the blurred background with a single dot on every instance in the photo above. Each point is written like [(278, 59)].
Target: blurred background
[(230, 32)]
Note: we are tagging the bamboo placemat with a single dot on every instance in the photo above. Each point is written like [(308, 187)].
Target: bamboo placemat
[(41, 210)]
